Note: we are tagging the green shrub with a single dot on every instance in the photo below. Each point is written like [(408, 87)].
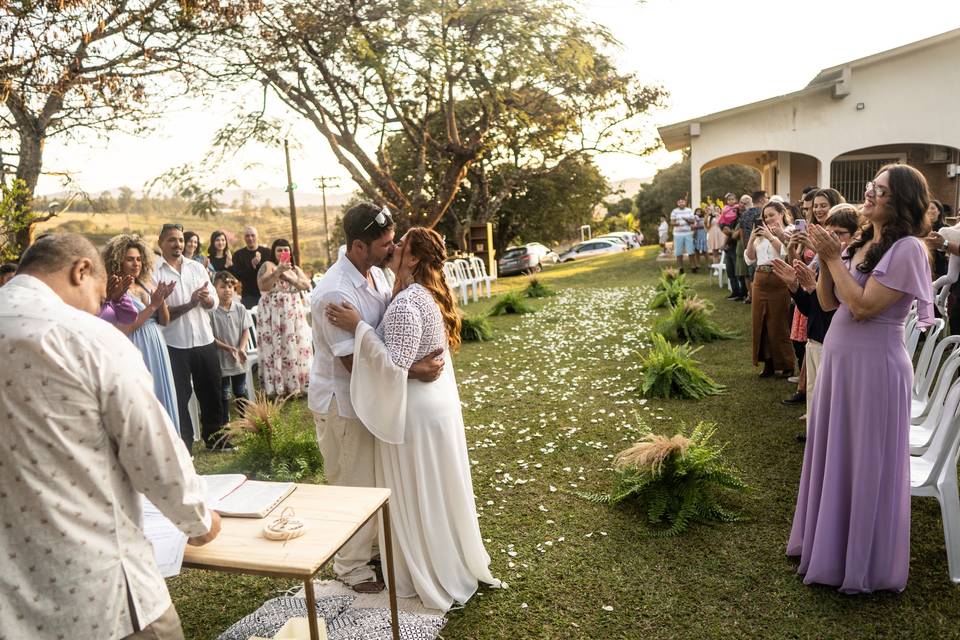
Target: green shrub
[(510, 303), (269, 446), (536, 289), (669, 371), (670, 289), (689, 321), (676, 481), (475, 329)]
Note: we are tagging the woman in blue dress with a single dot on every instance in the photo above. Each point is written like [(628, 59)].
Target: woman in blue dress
[(127, 255)]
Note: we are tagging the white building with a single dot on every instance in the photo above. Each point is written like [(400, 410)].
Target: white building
[(901, 105)]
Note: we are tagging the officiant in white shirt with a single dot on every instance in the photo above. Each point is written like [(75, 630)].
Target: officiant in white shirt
[(84, 435), (346, 445)]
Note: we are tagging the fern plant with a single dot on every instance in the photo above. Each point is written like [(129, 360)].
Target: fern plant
[(689, 321), (670, 289), (510, 303), (670, 371), (677, 481), (475, 329), (536, 289), (269, 446)]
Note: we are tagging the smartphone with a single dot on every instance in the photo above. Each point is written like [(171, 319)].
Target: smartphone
[(283, 256), (800, 225)]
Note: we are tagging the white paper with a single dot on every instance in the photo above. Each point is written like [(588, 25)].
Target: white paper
[(218, 486), (168, 542), (254, 499)]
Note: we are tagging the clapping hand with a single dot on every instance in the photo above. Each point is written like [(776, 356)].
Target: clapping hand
[(934, 241), (160, 294), (785, 272), (200, 296), (826, 244), (806, 275), (117, 286)]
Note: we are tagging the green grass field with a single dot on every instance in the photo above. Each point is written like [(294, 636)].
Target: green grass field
[(547, 404)]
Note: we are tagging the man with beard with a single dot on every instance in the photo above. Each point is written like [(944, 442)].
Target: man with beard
[(193, 353), (346, 445)]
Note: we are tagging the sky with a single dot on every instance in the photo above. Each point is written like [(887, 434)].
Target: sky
[(709, 55)]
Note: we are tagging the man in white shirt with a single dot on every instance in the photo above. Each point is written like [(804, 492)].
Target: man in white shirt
[(682, 220), (189, 336), (84, 435), (346, 445)]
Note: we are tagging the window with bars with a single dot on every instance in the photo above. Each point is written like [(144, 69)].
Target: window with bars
[(849, 176)]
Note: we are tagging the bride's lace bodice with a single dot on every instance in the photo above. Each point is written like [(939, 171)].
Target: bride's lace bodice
[(412, 327)]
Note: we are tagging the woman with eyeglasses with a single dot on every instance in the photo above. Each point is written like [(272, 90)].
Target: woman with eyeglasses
[(851, 527), (283, 334), (421, 448)]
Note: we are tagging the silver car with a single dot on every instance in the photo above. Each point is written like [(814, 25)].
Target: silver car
[(529, 258), (595, 247)]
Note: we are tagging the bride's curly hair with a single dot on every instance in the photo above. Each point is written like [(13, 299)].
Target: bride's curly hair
[(427, 246), (910, 197)]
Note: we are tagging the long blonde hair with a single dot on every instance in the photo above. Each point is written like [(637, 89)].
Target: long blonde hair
[(427, 246)]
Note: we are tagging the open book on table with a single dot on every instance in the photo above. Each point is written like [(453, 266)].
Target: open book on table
[(233, 496)]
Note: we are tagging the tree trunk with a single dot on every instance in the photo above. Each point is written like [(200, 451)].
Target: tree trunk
[(28, 170)]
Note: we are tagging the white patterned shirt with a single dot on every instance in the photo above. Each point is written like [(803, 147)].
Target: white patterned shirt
[(83, 433), (192, 329), (328, 377)]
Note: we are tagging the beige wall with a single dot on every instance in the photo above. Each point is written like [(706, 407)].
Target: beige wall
[(907, 99)]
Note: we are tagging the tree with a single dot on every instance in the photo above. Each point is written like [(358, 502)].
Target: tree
[(87, 66), (125, 200), (466, 85), (551, 207)]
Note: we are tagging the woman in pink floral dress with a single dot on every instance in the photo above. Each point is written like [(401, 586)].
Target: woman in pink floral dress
[(283, 335)]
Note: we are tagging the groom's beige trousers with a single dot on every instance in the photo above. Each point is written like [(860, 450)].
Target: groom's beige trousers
[(347, 449)]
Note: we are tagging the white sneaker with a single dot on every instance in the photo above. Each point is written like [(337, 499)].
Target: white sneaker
[(793, 379)]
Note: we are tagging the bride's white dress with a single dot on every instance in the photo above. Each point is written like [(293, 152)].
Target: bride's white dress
[(421, 453)]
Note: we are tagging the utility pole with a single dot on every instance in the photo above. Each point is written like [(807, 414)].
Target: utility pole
[(293, 206), (324, 182)]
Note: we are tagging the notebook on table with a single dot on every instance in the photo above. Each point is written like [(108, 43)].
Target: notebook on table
[(234, 496)]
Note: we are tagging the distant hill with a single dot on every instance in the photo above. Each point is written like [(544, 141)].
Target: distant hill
[(276, 196), (627, 187)]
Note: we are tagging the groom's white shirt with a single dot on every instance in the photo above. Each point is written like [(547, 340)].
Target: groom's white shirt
[(328, 377)]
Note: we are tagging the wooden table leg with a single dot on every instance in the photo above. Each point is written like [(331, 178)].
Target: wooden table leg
[(311, 608), (391, 582)]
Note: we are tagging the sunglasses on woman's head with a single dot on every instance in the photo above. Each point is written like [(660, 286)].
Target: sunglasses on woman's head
[(382, 218)]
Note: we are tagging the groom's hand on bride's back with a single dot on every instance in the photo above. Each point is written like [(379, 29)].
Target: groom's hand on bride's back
[(429, 368)]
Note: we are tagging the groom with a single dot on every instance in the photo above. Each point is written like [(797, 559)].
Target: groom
[(346, 445)]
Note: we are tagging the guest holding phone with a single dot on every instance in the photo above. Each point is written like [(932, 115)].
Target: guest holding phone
[(771, 298), (283, 335)]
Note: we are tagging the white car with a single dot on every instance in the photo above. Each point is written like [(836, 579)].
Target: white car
[(631, 239), (595, 247)]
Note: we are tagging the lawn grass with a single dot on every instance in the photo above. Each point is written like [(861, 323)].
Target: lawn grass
[(547, 404)]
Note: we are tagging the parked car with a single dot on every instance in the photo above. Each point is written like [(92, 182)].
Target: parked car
[(631, 239), (595, 247), (529, 258)]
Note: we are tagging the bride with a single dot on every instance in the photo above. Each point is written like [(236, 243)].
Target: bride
[(421, 449)]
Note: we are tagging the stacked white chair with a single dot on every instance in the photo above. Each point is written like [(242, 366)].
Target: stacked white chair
[(478, 269), (934, 474), (462, 269), (454, 282), (253, 356), (941, 300)]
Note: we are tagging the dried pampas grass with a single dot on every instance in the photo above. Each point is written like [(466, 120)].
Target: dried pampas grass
[(652, 451)]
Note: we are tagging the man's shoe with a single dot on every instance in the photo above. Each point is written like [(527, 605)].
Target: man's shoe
[(793, 379), (796, 398), (733, 296), (370, 586)]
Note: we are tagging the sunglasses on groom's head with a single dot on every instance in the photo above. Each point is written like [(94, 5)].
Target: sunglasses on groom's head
[(383, 218)]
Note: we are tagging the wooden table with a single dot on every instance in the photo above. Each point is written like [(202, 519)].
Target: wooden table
[(332, 514)]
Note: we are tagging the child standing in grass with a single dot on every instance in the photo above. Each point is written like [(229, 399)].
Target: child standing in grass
[(663, 231), (231, 330)]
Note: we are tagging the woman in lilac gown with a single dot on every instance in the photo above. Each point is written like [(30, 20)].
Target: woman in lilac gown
[(851, 528)]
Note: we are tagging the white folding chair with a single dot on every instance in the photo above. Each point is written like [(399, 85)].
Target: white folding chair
[(479, 271), (253, 356), (462, 269), (941, 300), (923, 427), (454, 282), (912, 336), (926, 373), (718, 270), (934, 474), (931, 341)]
